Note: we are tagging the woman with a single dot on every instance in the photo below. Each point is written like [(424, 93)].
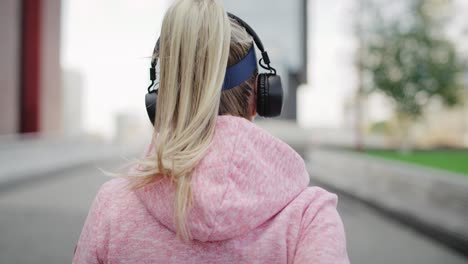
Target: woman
[(213, 187)]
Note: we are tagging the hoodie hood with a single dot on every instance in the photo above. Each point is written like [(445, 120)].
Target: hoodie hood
[(246, 177)]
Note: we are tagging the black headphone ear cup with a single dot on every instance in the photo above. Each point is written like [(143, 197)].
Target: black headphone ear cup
[(262, 94), (269, 95), (151, 100)]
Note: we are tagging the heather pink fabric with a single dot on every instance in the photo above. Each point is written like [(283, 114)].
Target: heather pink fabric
[(251, 204)]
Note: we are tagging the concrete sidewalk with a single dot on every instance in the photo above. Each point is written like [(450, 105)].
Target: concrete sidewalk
[(23, 160)]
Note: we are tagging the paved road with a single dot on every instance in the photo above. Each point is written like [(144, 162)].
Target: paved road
[(40, 223)]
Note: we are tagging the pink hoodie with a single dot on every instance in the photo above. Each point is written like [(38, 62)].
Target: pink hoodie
[(251, 204)]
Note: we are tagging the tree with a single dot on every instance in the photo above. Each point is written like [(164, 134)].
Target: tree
[(406, 55)]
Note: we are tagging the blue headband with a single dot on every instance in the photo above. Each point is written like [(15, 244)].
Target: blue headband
[(241, 71)]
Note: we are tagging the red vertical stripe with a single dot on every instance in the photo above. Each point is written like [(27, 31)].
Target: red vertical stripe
[(30, 66)]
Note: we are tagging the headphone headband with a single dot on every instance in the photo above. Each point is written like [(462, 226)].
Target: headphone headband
[(240, 72), (258, 42), (249, 30)]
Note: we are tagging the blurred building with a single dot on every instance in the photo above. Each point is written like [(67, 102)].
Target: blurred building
[(30, 75), (439, 127)]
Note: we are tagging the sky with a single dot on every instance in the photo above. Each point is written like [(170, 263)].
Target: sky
[(108, 42)]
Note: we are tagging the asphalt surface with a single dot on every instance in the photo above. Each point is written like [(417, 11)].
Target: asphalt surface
[(40, 222)]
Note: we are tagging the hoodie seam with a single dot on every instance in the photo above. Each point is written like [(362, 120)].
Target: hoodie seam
[(228, 188)]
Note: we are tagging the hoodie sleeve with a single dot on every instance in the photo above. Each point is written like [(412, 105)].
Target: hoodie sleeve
[(322, 239), (92, 245)]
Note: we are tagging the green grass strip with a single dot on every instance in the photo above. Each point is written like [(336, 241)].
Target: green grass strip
[(451, 160)]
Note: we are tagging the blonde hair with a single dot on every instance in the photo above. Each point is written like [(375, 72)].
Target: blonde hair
[(196, 44), (237, 101)]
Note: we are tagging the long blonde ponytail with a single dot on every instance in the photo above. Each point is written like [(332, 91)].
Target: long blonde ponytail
[(193, 55)]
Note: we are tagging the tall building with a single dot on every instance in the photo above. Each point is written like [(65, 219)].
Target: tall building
[(30, 76)]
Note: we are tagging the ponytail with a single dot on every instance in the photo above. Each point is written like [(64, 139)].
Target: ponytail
[(193, 55)]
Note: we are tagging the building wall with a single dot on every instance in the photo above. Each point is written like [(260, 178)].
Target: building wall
[(9, 65)]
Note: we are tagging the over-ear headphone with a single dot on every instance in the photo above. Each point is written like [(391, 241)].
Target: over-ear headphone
[(269, 87)]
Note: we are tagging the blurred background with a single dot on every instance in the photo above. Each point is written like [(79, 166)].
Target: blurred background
[(375, 103)]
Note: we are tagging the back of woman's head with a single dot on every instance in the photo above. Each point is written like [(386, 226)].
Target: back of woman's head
[(197, 42), (239, 101)]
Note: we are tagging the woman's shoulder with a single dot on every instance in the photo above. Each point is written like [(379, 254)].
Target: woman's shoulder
[(314, 204), (317, 193), (322, 235), (311, 204), (316, 199), (113, 186), (114, 194)]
